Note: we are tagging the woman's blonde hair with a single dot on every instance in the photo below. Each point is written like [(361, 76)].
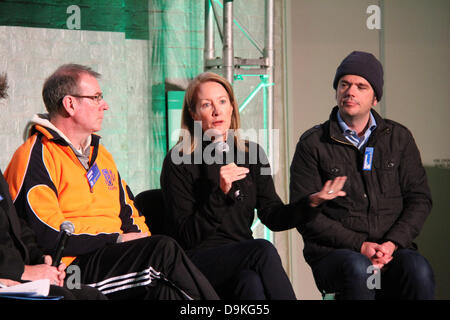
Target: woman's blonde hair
[(189, 106)]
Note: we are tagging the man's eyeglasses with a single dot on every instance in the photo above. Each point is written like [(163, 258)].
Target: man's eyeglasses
[(96, 98)]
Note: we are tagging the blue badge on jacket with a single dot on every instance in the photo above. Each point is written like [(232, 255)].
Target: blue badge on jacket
[(368, 158), (92, 175)]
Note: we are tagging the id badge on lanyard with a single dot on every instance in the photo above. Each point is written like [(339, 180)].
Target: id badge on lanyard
[(92, 175), (368, 159)]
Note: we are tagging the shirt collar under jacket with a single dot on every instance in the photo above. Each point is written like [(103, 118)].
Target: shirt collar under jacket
[(352, 135)]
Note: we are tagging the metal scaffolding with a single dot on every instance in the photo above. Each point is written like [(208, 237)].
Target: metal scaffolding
[(232, 68)]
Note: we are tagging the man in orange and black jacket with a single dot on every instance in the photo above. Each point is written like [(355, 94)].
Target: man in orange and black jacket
[(21, 259), (62, 173)]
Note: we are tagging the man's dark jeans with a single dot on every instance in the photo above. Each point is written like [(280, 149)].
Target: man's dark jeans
[(346, 273)]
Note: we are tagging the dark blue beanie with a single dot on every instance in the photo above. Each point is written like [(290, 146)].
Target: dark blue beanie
[(365, 65)]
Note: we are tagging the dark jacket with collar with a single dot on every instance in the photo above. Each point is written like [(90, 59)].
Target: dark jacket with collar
[(390, 202), (17, 241)]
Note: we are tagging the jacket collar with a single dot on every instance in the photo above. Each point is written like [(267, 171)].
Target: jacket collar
[(41, 123), (335, 132)]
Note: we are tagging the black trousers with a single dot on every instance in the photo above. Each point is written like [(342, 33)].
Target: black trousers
[(247, 270), (83, 293), (152, 268)]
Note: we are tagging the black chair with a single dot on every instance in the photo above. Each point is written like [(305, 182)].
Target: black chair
[(150, 204)]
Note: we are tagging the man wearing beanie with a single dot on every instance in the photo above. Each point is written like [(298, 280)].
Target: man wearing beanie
[(387, 199)]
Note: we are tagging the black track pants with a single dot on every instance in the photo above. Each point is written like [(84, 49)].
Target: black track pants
[(152, 268)]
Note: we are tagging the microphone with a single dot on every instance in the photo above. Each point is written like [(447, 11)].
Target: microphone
[(66, 229), (223, 148)]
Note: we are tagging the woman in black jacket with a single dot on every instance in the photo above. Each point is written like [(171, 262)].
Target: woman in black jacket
[(212, 183)]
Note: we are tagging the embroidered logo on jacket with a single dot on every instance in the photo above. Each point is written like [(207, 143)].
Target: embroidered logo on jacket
[(110, 179)]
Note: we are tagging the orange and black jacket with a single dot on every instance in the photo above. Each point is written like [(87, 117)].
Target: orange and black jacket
[(49, 185)]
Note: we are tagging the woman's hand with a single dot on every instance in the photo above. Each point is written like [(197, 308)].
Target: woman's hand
[(230, 173), (331, 189)]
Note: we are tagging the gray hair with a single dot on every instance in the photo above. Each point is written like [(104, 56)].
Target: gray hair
[(64, 81)]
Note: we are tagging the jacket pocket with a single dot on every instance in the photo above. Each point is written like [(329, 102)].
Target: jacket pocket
[(333, 169), (338, 208), (387, 175)]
